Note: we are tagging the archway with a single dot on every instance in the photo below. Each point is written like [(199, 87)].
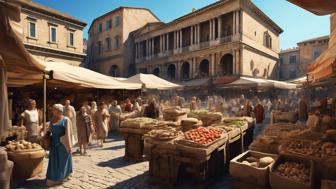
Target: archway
[(204, 68), (227, 64), (185, 70), (156, 71), (114, 71), (171, 71)]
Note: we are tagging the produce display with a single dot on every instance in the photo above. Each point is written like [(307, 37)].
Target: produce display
[(311, 148), (19, 132), (22, 145), (197, 114), (173, 113), (258, 162), (164, 133), (208, 118), (137, 123), (203, 135), (295, 171), (235, 123)]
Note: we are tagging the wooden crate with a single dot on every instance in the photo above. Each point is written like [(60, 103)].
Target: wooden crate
[(280, 182), (248, 174), (162, 169), (237, 184), (134, 147), (205, 170)]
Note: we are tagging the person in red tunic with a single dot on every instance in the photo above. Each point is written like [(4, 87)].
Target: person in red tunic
[(259, 112)]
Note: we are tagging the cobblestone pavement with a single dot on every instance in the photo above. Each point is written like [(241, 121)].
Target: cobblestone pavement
[(106, 168)]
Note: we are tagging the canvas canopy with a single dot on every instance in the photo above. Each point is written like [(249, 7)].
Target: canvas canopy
[(14, 58), (73, 76), (150, 81), (324, 66), (259, 82)]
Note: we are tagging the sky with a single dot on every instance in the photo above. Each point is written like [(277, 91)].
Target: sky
[(298, 24)]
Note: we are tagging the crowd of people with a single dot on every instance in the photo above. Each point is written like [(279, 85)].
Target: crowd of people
[(94, 120)]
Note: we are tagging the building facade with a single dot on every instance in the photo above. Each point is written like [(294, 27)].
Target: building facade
[(294, 62), (110, 44), (51, 35), (225, 38)]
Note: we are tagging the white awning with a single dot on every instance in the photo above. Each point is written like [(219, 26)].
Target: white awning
[(151, 81), (259, 82)]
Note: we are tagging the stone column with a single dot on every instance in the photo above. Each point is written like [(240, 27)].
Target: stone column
[(234, 22), (152, 46), (237, 21), (174, 40), (219, 27), (198, 33), (234, 61), (136, 51), (191, 35), (147, 48), (161, 44), (211, 28), (214, 29), (167, 36), (181, 39), (212, 65)]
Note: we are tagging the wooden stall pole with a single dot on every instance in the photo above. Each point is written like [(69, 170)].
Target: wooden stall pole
[(44, 102)]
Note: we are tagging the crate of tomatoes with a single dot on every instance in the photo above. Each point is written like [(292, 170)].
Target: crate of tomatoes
[(202, 140)]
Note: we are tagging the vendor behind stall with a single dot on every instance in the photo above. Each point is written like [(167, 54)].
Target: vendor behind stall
[(152, 110), (30, 119)]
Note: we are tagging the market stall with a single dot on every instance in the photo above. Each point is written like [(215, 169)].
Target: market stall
[(14, 59)]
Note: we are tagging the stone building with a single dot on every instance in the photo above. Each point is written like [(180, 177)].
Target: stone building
[(51, 35), (226, 38), (294, 62), (110, 43)]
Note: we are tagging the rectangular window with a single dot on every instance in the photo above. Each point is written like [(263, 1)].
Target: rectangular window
[(53, 34), (108, 24), (292, 59), (108, 43), (117, 43), (32, 29), (100, 27), (99, 47), (71, 39), (316, 54), (117, 20), (281, 60)]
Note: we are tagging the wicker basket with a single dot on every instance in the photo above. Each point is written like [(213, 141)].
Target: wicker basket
[(27, 164)]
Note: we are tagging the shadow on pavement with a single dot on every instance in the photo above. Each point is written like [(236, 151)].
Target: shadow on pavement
[(115, 163), (115, 147), (31, 183)]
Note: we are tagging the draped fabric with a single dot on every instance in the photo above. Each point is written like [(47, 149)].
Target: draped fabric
[(4, 112)]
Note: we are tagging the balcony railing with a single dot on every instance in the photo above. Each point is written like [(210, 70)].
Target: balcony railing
[(221, 40)]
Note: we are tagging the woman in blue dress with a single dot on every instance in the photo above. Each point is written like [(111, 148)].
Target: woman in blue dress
[(60, 159)]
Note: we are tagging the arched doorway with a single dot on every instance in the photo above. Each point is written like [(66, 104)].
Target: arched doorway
[(171, 71), (156, 71), (114, 71), (204, 68), (185, 70), (227, 64)]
